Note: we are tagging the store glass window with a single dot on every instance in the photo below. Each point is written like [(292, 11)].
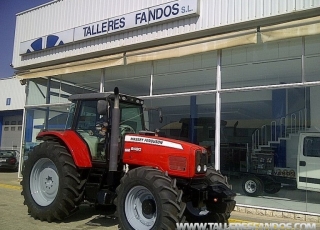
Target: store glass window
[(270, 148), (186, 74), (308, 173), (60, 89), (262, 64), (312, 58), (36, 91), (130, 79), (187, 118)]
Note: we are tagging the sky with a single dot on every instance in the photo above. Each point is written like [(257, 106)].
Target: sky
[(8, 11)]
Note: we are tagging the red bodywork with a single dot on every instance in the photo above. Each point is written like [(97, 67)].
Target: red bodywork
[(172, 156), (169, 155), (77, 147)]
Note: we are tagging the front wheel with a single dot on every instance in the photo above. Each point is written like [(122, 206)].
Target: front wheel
[(148, 199), (209, 212), (52, 186)]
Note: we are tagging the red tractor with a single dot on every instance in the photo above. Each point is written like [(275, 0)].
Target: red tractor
[(106, 157)]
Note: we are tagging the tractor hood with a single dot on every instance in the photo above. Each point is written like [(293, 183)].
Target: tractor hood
[(176, 157)]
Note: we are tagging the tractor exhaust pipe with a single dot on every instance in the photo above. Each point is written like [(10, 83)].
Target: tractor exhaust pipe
[(114, 144)]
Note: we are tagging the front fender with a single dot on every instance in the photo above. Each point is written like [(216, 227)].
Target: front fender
[(76, 146)]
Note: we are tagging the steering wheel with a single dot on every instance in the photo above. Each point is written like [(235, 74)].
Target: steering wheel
[(124, 129)]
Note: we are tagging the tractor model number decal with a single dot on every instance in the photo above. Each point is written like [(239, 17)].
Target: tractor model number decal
[(136, 149), (133, 149), (153, 142)]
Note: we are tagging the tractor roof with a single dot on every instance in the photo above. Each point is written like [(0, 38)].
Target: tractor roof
[(104, 96), (89, 96)]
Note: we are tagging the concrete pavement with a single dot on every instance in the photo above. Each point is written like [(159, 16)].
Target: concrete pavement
[(14, 214)]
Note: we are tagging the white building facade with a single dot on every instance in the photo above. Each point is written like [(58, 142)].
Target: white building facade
[(11, 113), (249, 69)]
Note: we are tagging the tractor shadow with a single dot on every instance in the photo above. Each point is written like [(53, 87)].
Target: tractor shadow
[(103, 216), (103, 220)]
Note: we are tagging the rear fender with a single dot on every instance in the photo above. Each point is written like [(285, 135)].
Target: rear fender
[(76, 146)]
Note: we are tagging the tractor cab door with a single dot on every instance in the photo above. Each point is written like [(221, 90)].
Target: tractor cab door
[(86, 126)]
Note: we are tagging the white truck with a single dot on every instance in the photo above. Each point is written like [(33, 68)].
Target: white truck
[(302, 171)]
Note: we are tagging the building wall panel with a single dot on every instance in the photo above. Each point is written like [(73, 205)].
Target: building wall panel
[(62, 15), (11, 90)]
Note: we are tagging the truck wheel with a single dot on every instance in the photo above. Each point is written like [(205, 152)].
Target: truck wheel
[(272, 188), (51, 185), (203, 215), (252, 186), (148, 199)]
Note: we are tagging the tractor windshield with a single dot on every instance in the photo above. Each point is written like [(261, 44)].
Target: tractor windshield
[(132, 116)]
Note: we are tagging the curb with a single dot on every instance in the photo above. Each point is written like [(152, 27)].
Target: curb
[(278, 213)]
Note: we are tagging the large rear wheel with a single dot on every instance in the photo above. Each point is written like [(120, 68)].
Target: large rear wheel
[(148, 199), (52, 186)]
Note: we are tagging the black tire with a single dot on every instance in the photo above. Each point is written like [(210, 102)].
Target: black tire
[(193, 215), (252, 186), (272, 187), (213, 176), (58, 173), (155, 196)]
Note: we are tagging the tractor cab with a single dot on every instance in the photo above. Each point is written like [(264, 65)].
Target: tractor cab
[(91, 117)]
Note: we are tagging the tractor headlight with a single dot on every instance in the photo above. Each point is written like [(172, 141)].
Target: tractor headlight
[(205, 168), (201, 161)]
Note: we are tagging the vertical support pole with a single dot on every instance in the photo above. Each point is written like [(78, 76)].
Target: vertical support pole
[(303, 79), (60, 90), (47, 103), (1, 124), (22, 143), (151, 79), (218, 113), (193, 119), (303, 75), (102, 79)]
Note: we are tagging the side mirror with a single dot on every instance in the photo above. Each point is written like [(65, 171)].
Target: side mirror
[(102, 107), (159, 111)]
